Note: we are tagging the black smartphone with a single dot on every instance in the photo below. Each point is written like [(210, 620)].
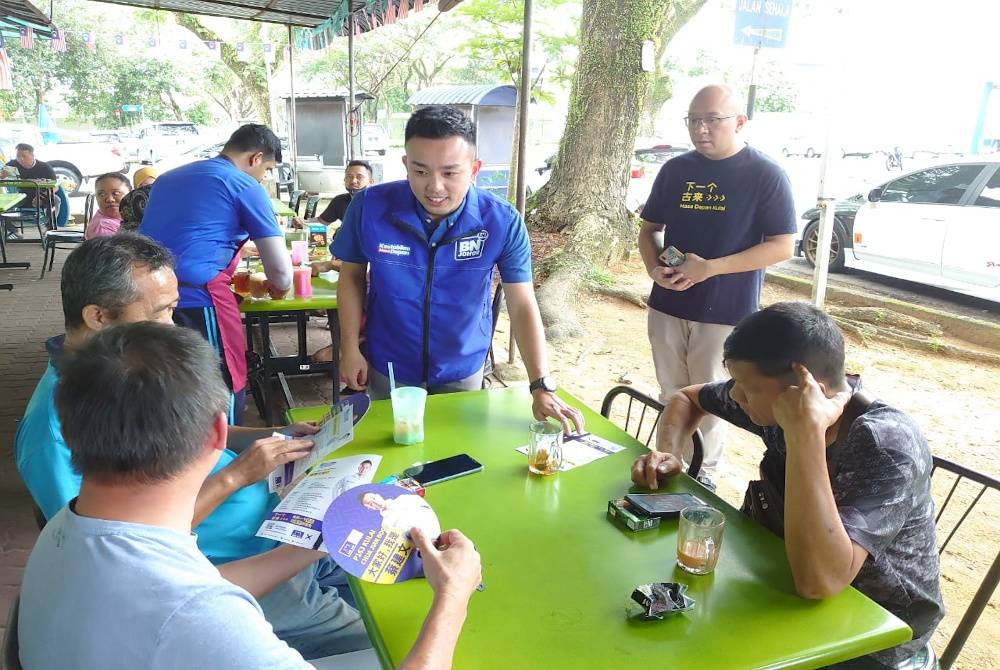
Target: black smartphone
[(662, 504), (447, 468)]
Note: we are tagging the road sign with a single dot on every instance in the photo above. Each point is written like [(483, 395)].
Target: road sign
[(762, 23), (132, 108)]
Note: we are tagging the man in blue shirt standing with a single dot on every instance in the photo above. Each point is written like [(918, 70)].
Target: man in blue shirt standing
[(729, 209), (431, 244)]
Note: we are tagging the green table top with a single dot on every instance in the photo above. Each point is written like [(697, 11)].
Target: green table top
[(558, 573), (8, 200), (324, 297), (30, 183), (281, 208)]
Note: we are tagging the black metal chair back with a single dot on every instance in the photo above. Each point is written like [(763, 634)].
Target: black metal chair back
[(965, 490), (88, 207), (294, 200), (641, 415), (490, 363), (311, 205)]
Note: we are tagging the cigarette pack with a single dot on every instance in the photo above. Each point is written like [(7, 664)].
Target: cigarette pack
[(410, 484), (621, 512), (317, 235)]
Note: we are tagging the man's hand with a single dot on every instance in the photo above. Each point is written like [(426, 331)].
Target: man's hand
[(451, 563), (670, 278), (546, 404), (353, 368), (804, 410), (650, 469), (694, 268), (298, 223), (275, 292), (301, 429), (263, 456)]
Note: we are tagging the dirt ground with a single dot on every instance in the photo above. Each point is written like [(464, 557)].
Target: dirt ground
[(956, 403)]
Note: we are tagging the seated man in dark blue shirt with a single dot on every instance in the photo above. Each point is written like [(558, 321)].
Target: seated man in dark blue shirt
[(849, 478)]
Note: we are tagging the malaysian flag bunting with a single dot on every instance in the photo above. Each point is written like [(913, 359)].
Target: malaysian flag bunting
[(151, 43), (119, 41), (418, 5), (390, 15), (89, 40), (404, 8), (373, 21), (213, 49), (58, 40), (27, 37), (268, 52), (242, 53), (182, 45), (6, 80)]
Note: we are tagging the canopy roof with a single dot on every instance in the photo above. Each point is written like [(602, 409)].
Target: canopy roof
[(304, 13), (499, 95), (17, 13)]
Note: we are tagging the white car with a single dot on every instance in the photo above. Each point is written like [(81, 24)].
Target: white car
[(167, 138), (939, 225), (374, 139)]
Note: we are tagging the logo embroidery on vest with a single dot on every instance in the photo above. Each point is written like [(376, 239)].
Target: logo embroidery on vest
[(471, 247), (393, 249)]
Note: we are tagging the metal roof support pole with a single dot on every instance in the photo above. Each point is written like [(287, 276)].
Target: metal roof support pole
[(292, 143), (524, 98), (350, 81)]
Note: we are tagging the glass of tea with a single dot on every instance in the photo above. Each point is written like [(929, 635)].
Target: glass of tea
[(699, 538), (545, 454), (258, 286), (241, 281)]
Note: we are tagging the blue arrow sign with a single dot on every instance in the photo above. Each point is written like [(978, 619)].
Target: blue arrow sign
[(762, 23), (131, 108)]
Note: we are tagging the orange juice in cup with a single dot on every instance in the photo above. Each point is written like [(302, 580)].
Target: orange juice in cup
[(241, 281)]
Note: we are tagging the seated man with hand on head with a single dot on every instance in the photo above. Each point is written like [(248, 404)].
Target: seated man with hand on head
[(116, 579), (849, 477), (128, 278)]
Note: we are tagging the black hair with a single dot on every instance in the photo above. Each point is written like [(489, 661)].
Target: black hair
[(113, 175), (438, 122), (23, 146), (136, 402), (254, 137), (101, 272), (365, 164), (785, 333)]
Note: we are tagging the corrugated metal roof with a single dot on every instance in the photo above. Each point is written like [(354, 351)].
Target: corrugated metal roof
[(306, 13), (499, 95), (17, 13)]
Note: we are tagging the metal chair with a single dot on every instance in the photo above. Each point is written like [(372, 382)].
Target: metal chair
[(294, 200), (968, 485), (490, 363), (311, 204), (642, 405), (88, 207), (11, 659), (55, 235)]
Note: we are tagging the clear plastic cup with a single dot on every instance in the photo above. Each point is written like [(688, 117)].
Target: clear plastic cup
[(408, 414), (545, 447)]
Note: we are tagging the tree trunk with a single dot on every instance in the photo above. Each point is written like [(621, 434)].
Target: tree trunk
[(584, 198), (661, 86)]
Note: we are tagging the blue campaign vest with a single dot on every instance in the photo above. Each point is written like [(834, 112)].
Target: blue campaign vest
[(429, 310)]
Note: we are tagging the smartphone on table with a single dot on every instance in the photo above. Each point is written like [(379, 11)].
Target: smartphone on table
[(433, 472), (662, 504)]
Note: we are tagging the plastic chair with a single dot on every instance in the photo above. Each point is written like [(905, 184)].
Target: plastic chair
[(967, 488), (284, 179), (11, 659), (294, 200), (311, 204), (639, 405)]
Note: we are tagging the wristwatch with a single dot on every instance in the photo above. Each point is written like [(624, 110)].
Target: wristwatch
[(544, 383)]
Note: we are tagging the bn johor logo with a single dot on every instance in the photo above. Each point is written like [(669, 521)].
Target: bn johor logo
[(471, 247)]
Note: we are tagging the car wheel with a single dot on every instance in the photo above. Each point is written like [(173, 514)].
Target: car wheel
[(838, 251), (809, 152), (381, 153), (68, 178), (785, 152)]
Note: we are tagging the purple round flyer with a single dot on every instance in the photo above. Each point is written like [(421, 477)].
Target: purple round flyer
[(366, 530)]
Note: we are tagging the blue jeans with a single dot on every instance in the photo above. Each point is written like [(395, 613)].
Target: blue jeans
[(308, 613)]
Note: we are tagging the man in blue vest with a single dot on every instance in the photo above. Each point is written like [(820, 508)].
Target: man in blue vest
[(431, 243)]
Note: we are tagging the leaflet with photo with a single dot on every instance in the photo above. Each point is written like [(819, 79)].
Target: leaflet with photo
[(582, 449), (298, 518), (336, 429)]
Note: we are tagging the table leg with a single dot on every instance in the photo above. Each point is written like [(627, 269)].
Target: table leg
[(334, 325), (265, 357)]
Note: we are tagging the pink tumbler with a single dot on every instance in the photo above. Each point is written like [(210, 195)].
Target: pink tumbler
[(300, 252), (302, 281)]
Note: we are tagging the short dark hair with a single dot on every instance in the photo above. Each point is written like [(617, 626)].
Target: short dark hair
[(365, 164), (136, 402), (438, 122), (23, 146), (785, 333), (113, 175), (101, 272), (254, 137)]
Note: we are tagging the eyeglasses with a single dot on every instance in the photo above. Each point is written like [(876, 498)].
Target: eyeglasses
[(709, 121)]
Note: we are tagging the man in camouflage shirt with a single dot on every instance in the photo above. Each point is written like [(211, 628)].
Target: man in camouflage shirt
[(857, 506)]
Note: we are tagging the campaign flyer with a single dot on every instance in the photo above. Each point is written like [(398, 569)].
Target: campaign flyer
[(298, 518), (367, 532), (336, 429), (582, 449)]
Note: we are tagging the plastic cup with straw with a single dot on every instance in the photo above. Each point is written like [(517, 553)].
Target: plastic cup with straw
[(407, 411)]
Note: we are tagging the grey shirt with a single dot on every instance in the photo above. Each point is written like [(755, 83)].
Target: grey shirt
[(882, 490)]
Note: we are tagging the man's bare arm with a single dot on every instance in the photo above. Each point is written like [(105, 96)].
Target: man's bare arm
[(351, 288), (679, 420), (260, 574)]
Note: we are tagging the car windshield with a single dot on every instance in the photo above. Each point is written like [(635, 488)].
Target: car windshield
[(177, 130)]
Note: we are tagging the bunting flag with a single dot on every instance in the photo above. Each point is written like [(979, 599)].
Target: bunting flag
[(268, 52), (242, 53), (6, 80), (89, 40), (27, 37), (373, 20), (152, 42), (182, 45), (119, 40), (404, 9), (418, 5), (58, 40), (213, 49), (390, 15)]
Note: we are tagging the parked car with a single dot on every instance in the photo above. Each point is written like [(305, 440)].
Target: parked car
[(121, 137), (801, 146), (936, 226), (374, 139), (74, 161), (167, 138)]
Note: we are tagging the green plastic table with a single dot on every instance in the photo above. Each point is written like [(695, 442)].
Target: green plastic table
[(262, 312), (8, 200), (282, 209), (558, 573), (36, 185)]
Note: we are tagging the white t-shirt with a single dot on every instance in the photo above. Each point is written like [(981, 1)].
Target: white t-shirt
[(107, 594)]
